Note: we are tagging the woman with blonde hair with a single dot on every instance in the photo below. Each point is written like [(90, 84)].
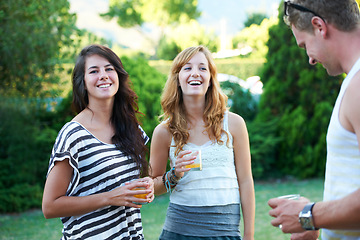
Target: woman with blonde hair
[(204, 201)]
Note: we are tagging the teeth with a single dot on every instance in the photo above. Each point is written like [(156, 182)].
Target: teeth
[(195, 83), (104, 86)]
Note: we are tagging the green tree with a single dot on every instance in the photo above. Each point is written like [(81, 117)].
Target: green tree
[(32, 34), (301, 97), (255, 37), (148, 84), (167, 49), (130, 13), (25, 147), (255, 18), (240, 100)]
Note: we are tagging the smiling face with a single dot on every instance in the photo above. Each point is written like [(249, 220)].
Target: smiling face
[(101, 78), (194, 76)]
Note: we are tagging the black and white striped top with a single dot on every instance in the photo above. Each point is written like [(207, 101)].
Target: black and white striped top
[(98, 167)]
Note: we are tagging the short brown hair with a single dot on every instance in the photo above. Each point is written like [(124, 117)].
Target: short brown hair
[(343, 14)]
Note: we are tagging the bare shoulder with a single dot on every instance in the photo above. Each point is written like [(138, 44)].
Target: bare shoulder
[(354, 86), (235, 119), (352, 96), (159, 150), (162, 133), (236, 123), (350, 105), (82, 118)]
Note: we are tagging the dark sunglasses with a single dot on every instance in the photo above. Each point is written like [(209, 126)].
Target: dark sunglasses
[(288, 4)]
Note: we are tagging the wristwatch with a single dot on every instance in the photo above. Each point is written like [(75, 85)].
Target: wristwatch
[(306, 218)]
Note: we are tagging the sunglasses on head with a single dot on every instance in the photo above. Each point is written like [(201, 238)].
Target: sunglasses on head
[(288, 4)]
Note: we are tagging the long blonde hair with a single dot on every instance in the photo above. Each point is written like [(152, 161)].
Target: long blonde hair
[(173, 106)]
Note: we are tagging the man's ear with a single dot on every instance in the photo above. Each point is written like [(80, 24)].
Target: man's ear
[(319, 26)]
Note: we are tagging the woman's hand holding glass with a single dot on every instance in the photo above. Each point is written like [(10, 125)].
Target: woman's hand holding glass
[(142, 193), (186, 157), (133, 194)]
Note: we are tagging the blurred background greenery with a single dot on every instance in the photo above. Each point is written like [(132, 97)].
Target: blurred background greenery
[(287, 120)]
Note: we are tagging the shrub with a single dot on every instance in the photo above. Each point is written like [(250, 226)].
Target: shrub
[(301, 96), (25, 147)]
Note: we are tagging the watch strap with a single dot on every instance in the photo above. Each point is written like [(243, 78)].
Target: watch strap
[(308, 207)]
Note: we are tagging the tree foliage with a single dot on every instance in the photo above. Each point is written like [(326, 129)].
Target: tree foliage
[(130, 13), (148, 84), (254, 18), (301, 97), (240, 100), (167, 49), (25, 145), (255, 37), (33, 35)]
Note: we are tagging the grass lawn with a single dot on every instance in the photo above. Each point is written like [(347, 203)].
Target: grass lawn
[(32, 225)]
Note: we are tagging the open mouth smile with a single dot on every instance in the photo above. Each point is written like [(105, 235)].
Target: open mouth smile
[(106, 85), (195, 83)]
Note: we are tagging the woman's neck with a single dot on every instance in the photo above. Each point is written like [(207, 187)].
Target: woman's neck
[(101, 110), (195, 110), (95, 115)]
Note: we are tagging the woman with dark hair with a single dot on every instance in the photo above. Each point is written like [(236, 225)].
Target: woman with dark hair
[(98, 157)]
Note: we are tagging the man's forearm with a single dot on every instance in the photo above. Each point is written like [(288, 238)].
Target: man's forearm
[(342, 213)]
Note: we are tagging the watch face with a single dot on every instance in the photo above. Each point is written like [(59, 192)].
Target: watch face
[(306, 223), (305, 217)]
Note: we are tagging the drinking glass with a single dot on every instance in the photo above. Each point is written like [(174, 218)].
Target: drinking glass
[(142, 196), (197, 165), (290, 197)]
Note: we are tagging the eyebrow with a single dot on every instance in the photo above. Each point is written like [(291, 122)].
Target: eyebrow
[(107, 65), (192, 63)]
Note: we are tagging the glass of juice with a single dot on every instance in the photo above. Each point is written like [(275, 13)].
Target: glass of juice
[(143, 196), (197, 165)]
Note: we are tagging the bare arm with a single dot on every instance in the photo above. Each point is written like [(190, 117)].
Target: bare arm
[(57, 204), (343, 213), (159, 155), (243, 170)]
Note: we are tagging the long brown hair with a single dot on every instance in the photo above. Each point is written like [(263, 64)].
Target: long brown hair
[(173, 106), (128, 137)]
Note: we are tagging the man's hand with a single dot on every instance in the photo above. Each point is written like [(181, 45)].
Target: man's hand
[(286, 213)]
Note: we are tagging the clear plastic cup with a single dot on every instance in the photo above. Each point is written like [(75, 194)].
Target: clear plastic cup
[(290, 197), (197, 165), (142, 196)]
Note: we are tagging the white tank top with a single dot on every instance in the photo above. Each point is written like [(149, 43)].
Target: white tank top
[(342, 175), (216, 184)]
